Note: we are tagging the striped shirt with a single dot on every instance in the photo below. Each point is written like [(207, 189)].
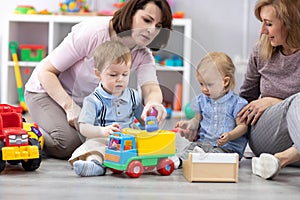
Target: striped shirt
[(103, 109)]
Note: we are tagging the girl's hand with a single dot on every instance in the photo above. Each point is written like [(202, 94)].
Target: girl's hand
[(161, 111), (108, 130), (187, 130), (223, 139), (252, 112)]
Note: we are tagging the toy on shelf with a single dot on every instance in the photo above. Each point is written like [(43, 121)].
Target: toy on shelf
[(13, 45), (177, 97), (24, 9), (19, 141), (72, 7), (178, 14), (151, 123), (119, 4), (135, 151), (44, 12), (31, 52), (171, 61)]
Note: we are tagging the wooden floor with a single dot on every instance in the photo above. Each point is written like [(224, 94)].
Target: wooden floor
[(56, 180)]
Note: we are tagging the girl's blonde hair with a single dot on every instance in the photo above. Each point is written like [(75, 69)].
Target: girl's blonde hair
[(288, 12), (223, 63), (111, 52)]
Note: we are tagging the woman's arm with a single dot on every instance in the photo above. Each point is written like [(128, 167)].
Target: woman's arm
[(48, 77), (251, 112), (152, 97)]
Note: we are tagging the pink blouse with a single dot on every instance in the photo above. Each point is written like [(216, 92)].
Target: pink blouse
[(74, 59)]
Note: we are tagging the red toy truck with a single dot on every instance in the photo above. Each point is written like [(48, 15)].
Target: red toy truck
[(19, 141)]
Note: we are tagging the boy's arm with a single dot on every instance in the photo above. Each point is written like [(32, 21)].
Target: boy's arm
[(91, 131)]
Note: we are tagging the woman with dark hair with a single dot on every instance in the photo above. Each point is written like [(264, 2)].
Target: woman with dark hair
[(272, 86), (55, 91)]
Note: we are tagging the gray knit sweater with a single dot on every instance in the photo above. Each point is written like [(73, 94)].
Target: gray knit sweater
[(278, 77)]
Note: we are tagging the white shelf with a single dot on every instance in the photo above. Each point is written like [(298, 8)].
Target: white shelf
[(23, 64), (50, 30), (169, 68)]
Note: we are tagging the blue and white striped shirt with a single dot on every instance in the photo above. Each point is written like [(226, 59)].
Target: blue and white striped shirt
[(102, 109)]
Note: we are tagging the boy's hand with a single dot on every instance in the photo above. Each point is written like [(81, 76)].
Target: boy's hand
[(108, 130)]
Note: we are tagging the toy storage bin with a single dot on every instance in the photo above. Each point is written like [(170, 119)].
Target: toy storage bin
[(211, 167), (30, 52)]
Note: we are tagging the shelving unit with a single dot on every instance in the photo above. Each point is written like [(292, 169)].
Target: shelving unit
[(50, 30)]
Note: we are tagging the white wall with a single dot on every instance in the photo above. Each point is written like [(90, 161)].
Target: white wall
[(218, 25), (221, 25)]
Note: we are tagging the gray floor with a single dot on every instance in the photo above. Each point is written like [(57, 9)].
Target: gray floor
[(56, 180)]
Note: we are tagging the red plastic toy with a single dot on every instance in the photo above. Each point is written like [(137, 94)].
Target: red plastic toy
[(19, 141)]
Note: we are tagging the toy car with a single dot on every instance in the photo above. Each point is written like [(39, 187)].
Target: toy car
[(135, 151), (20, 142)]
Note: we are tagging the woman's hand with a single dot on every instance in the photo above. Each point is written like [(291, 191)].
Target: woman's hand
[(152, 97), (252, 112), (72, 115), (188, 129), (161, 111)]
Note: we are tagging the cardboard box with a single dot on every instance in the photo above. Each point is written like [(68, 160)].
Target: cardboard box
[(211, 167)]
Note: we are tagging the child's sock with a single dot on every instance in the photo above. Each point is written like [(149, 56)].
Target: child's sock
[(88, 168)]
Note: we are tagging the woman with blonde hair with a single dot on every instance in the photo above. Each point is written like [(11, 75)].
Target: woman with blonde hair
[(272, 86)]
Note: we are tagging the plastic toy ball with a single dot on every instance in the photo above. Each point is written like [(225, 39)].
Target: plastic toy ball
[(189, 113)]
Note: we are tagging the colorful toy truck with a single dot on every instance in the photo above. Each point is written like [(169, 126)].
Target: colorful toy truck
[(19, 141), (135, 151)]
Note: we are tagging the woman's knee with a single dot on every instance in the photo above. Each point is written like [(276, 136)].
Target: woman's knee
[(61, 143)]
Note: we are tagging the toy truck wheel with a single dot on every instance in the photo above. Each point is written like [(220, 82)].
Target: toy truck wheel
[(2, 162), (165, 166), (134, 169), (32, 164)]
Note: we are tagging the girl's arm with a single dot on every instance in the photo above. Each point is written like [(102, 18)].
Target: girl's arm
[(189, 129), (240, 129)]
